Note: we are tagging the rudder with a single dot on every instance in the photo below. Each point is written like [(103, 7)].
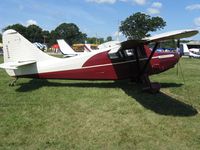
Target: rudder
[(16, 48)]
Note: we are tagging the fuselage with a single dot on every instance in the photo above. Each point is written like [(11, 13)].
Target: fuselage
[(100, 65)]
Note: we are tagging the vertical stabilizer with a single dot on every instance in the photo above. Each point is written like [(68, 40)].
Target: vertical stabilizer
[(65, 48), (16, 48)]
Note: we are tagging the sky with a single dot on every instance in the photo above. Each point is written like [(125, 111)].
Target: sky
[(99, 18)]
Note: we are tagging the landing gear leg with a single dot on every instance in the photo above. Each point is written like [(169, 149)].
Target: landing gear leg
[(13, 83), (150, 87)]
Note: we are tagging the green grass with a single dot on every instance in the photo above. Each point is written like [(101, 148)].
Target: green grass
[(63, 114)]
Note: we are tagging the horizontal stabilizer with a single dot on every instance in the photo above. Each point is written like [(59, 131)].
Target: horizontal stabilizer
[(15, 65)]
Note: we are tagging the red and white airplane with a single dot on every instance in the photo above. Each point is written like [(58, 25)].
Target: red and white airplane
[(130, 59)]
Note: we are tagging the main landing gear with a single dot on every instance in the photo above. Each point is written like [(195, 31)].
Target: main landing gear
[(149, 86), (13, 83)]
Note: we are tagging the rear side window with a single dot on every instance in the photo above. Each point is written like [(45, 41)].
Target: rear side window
[(129, 53)]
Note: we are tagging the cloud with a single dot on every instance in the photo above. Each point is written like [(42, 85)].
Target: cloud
[(155, 8), (197, 21), (157, 5), (193, 7), (153, 11), (31, 22), (140, 2), (102, 1)]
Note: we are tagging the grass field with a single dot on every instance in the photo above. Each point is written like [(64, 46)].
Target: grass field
[(63, 114)]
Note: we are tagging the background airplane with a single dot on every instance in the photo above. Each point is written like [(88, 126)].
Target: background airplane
[(65, 49), (191, 50)]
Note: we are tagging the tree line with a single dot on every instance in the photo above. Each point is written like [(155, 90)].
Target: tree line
[(136, 26), (0, 38), (67, 31)]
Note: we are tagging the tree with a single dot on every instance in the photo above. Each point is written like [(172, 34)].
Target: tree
[(109, 38), (34, 33), (0, 37), (18, 27), (46, 36), (100, 40), (69, 32), (138, 25), (94, 40), (53, 37)]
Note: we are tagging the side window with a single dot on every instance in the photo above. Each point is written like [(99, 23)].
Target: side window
[(114, 56), (127, 54), (117, 55), (141, 52)]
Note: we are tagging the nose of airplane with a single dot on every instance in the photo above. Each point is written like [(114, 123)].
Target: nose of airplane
[(168, 61)]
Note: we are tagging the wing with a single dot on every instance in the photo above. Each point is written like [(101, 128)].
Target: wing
[(178, 34), (130, 44)]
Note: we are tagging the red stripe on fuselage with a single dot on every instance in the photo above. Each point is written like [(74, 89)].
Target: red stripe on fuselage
[(102, 72)]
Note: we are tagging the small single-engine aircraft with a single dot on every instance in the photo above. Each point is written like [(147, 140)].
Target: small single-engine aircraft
[(191, 50), (131, 59)]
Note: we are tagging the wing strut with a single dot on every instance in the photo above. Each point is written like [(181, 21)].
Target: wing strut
[(137, 61), (148, 60), (151, 87)]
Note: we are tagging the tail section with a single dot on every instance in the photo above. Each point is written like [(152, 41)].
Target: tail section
[(20, 55), (16, 48), (65, 48)]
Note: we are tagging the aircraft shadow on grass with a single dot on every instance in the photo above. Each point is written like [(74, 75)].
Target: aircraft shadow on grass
[(159, 103)]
